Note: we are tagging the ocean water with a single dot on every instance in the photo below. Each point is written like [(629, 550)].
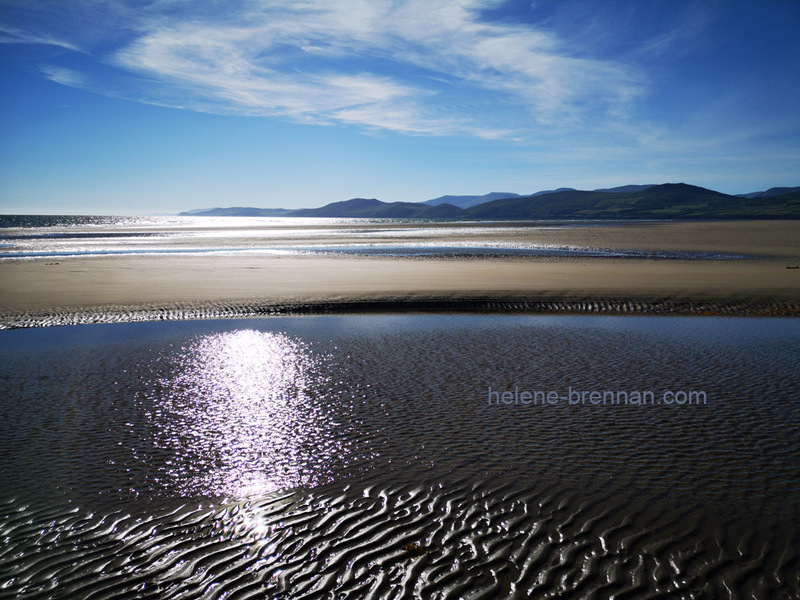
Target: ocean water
[(402, 456), (36, 237)]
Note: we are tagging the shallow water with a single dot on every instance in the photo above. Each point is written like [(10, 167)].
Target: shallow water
[(35, 237), (300, 457)]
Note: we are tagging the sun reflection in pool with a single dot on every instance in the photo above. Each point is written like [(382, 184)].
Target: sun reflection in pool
[(243, 417)]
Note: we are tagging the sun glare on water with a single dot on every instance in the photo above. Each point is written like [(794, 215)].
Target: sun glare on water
[(244, 417)]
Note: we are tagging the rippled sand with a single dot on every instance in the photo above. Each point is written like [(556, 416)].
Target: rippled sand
[(135, 288), (404, 542), (356, 457)]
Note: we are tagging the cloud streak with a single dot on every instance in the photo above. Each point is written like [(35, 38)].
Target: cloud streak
[(420, 68), (11, 35)]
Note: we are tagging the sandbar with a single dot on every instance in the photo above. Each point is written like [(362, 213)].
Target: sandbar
[(53, 291)]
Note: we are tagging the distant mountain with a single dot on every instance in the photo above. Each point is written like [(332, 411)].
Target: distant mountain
[(356, 207), (375, 209), (469, 201), (236, 211), (545, 192), (673, 201), (626, 188), (195, 212), (666, 201), (776, 191)]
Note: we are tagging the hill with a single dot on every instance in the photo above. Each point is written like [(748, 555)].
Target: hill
[(666, 201), (670, 201), (469, 201), (375, 209), (237, 211), (626, 188), (776, 191)]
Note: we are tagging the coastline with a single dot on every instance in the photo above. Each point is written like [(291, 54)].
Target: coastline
[(141, 288), (134, 287)]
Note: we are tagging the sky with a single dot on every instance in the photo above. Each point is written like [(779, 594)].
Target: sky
[(160, 106)]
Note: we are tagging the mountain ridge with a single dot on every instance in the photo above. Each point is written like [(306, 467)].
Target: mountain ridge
[(667, 201), (775, 191), (469, 201)]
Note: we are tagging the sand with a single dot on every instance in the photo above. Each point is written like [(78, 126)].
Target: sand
[(33, 291)]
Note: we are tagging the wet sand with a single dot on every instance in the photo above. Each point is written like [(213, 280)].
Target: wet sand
[(223, 285), (302, 457), (218, 285)]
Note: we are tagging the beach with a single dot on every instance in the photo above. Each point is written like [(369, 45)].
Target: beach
[(399, 300), (230, 283), (301, 408)]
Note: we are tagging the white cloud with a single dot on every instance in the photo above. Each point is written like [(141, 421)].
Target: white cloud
[(416, 67)]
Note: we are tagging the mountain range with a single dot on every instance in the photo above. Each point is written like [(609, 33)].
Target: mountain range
[(665, 201)]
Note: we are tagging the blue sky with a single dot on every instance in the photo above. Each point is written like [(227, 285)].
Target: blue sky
[(123, 107)]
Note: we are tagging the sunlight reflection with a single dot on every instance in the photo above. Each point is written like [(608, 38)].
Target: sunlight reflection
[(245, 417)]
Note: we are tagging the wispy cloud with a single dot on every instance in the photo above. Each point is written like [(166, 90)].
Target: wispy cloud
[(68, 77), (433, 67), (11, 35)]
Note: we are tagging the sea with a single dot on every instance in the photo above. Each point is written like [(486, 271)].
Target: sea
[(396, 455), (41, 236)]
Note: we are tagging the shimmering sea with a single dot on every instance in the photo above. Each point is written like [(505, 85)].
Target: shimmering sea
[(41, 236)]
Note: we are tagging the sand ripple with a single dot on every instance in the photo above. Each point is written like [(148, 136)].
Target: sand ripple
[(540, 305), (403, 541), (380, 470)]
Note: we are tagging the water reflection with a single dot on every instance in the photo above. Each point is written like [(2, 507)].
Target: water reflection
[(243, 416)]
